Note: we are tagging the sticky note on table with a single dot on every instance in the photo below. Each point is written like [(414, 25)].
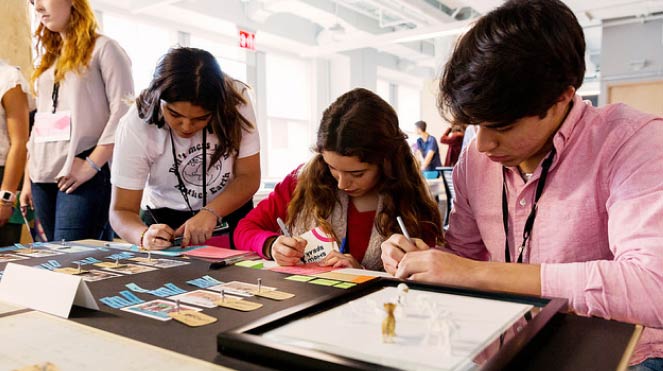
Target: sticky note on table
[(345, 285), (250, 264), (300, 278), (324, 282)]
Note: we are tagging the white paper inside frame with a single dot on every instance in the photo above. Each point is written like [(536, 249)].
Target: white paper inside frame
[(433, 330)]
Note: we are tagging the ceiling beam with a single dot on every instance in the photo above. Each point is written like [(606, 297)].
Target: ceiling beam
[(142, 6), (375, 41)]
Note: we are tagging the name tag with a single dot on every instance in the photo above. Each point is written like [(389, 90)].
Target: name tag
[(52, 127)]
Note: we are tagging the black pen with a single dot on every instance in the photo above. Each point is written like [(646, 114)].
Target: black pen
[(232, 260), (149, 211)]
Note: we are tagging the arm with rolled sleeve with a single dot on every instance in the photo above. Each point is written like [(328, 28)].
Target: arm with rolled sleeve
[(259, 225), (630, 287), (463, 237)]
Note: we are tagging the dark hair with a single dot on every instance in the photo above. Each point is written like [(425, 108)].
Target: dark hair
[(193, 75), (515, 62), (359, 123), (421, 125)]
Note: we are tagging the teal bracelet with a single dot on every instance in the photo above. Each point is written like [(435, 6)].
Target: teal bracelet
[(92, 164)]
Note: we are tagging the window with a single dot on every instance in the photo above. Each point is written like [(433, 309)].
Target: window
[(383, 89), (289, 103), (144, 44), (409, 108)]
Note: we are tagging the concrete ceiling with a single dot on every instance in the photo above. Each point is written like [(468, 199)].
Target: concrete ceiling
[(419, 33)]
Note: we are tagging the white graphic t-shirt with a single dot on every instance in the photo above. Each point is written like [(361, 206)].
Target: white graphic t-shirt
[(143, 160)]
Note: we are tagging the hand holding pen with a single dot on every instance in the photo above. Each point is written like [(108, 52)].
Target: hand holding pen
[(395, 248), (287, 250), (157, 236)]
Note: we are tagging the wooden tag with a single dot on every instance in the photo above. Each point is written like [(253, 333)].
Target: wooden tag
[(274, 295), (71, 270), (109, 265), (238, 304), (192, 318)]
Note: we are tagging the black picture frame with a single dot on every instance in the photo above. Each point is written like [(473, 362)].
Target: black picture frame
[(246, 342)]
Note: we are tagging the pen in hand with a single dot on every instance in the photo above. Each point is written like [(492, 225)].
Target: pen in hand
[(285, 232), (403, 229), (284, 229), (149, 211)]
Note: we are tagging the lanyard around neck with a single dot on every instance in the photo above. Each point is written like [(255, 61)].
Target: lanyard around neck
[(180, 182), (529, 223), (55, 95)]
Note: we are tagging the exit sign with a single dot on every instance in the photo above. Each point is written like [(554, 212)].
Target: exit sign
[(247, 40)]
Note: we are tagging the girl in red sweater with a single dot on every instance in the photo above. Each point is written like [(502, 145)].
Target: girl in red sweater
[(362, 177)]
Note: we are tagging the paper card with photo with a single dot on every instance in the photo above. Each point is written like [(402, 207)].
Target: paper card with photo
[(37, 253), (97, 275), (159, 262), (240, 288), (201, 298), (130, 269), (10, 257), (158, 309), (66, 247), (319, 245)]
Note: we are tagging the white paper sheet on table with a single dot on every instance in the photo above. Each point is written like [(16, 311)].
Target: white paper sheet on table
[(353, 329), (37, 338)]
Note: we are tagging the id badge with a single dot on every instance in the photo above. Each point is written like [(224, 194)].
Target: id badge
[(52, 127), (318, 246)]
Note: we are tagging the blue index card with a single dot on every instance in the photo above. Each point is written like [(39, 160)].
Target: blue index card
[(87, 261), (8, 248), (134, 287), (51, 265), (126, 299), (121, 256), (204, 282), (174, 288)]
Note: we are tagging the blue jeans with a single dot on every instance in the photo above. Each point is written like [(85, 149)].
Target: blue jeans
[(76, 216), (649, 364)]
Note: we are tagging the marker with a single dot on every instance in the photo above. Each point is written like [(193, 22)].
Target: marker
[(403, 229), (343, 247), (284, 229)]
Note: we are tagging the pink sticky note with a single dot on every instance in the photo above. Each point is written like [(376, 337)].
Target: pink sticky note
[(213, 252)]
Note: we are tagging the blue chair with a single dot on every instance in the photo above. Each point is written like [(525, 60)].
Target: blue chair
[(449, 190)]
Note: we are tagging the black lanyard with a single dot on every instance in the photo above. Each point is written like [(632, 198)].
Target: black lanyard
[(54, 95), (180, 182), (529, 223)]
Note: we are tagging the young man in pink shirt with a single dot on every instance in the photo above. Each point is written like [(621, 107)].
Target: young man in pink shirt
[(554, 197)]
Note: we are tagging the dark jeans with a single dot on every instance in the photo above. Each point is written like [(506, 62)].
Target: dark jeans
[(9, 233), (76, 216), (649, 364)]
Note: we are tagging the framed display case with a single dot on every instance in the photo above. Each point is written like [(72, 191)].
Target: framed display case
[(386, 324)]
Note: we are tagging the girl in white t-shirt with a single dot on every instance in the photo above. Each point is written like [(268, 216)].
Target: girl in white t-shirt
[(189, 149), (14, 107)]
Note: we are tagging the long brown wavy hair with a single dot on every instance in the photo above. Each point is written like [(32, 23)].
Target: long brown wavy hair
[(359, 123), (193, 75), (74, 52)]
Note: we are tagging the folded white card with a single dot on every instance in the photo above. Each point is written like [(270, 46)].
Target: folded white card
[(45, 291)]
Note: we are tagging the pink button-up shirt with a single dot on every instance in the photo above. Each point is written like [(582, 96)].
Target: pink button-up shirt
[(598, 233)]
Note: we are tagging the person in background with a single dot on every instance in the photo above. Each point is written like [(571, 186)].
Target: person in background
[(189, 148), (14, 112), (81, 80), (428, 150), (453, 137), (554, 197), (362, 176)]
